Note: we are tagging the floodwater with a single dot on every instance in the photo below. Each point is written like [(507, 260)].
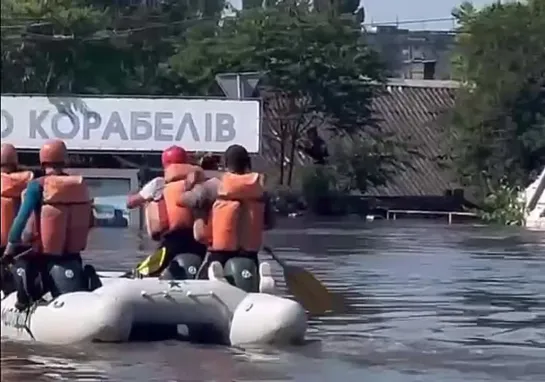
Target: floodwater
[(427, 302)]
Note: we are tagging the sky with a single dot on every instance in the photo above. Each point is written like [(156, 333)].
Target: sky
[(387, 11)]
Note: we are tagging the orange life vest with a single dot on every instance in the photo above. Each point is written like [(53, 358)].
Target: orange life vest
[(66, 216), (165, 215), (237, 219), (13, 184)]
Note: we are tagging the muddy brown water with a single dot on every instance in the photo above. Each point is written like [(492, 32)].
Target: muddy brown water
[(428, 302)]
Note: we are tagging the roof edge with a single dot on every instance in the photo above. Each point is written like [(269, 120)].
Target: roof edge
[(423, 83)]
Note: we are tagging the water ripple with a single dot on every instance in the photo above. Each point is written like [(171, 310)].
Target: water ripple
[(424, 303)]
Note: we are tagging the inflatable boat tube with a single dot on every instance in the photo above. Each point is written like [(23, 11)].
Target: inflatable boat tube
[(241, 272), (110, 312)]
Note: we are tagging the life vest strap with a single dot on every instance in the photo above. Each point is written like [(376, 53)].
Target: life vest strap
[(65, 203), (260, 199)]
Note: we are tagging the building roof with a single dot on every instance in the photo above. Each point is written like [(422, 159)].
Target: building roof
[(415, 111)]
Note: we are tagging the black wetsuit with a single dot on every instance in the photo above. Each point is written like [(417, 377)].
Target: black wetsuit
[(37, 274), (178, 242), (224, 256), (6, 279)]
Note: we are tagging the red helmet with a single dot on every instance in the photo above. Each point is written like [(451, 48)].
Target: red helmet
[(53, 151), (8, 155), (173, 155)]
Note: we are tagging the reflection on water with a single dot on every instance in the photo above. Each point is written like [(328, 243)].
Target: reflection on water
[(426, 303)]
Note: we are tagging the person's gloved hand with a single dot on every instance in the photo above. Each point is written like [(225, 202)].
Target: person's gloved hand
[(9, 252), (153, 190), (191, 180)]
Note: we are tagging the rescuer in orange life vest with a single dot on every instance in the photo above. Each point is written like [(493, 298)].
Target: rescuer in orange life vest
[(167, 222), (55, 219), (239, 210), (13, 184)]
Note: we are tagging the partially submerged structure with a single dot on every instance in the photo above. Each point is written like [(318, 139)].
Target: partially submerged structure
[(534, 197), (416, 112)]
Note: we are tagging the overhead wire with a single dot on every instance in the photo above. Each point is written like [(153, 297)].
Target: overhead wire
[(112, 33), (368, 24), (407, 22), (12, 33), (101, 34)]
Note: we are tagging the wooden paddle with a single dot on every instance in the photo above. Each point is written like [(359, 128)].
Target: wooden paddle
[(305, 287)]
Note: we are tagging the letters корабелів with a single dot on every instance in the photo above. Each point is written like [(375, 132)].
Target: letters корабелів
[(142, 126)]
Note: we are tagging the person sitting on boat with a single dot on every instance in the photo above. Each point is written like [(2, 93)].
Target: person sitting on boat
[(239, 210), (167, 222), (55, 217), (210, 163), (14, 182)]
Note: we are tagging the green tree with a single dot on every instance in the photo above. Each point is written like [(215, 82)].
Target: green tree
[(499, 120), (90, 47), (363, 164), (41, 42), (318, 70)]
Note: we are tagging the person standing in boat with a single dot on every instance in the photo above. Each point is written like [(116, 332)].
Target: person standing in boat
[(55, 218), (166, 222), (239, 210)]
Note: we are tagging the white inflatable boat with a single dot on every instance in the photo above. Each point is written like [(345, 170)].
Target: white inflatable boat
[(111, 312)]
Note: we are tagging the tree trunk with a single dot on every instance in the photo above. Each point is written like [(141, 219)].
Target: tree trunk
[(282, 152), (293, 145)]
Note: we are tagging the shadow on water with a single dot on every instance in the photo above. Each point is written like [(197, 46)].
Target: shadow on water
[(426, 302)]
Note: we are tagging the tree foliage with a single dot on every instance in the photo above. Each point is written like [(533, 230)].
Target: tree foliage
[(317, 70), (362, 165), (92, 47), (503, 205), (499, 120)]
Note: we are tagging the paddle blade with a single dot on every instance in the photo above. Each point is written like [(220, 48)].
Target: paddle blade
[(152, 263), (308, 290)]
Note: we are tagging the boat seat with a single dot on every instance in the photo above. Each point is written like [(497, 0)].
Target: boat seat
[(266, 280), (215, 272)]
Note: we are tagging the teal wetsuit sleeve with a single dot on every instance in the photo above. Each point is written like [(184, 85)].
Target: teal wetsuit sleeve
[(31, 203)]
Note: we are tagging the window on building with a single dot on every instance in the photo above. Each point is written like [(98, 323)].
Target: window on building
[(429, 70), (109, 197)]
